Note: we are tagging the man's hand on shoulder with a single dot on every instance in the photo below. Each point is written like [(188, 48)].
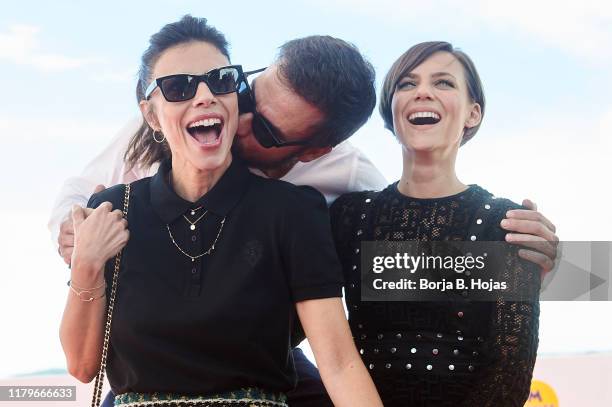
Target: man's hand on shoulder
[(533, 230), (65, 239)]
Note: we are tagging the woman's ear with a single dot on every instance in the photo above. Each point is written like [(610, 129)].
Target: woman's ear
[(146, 108), (474, 117)]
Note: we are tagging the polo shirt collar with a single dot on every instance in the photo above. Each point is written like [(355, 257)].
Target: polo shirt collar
[(219, 200)]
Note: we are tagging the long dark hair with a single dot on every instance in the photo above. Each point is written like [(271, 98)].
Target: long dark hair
[(142, 149)]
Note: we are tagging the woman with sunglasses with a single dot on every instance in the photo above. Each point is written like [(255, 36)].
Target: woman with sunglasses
[(457, 350), (216, 262)]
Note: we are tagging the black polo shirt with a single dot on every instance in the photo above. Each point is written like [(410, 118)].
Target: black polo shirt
[(223, 321)]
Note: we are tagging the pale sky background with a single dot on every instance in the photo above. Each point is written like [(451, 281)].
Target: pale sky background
[(68, 76)]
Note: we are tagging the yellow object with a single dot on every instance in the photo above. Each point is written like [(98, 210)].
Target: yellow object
[(541, 395)]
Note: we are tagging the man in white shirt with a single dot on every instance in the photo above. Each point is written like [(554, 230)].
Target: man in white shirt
[(323, 119), (344, 169), (305, 114)]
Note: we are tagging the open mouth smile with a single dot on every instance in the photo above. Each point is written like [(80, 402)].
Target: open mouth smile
[(206, 131), (423, 118)]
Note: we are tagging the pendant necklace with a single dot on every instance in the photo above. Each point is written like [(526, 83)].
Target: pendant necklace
[(207, 252), (192, 225)]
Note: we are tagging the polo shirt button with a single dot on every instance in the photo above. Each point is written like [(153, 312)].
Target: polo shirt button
[(194, 270), (193, 238)]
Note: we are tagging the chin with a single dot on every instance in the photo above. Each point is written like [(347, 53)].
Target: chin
[(210, 163), (421, 149), (418, 143), (427, 142)]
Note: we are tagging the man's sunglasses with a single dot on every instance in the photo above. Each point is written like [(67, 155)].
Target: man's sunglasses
[(265, 132), (181, 87)]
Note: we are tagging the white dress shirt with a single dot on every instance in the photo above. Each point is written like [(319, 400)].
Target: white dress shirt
[(344, 169)]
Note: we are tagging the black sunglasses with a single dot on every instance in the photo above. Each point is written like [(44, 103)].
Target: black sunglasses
[(264, 131), (182, 86)]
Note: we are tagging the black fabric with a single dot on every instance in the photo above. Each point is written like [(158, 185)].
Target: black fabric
[(479, 353), (222, 322), (309, 392)]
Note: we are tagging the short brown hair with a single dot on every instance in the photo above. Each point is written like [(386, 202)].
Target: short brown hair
[(414, 57), (332, 75)]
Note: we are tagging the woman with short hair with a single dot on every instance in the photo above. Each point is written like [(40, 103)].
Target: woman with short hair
[(464, 352)]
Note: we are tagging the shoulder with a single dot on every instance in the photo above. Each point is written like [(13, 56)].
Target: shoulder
[(113, 194), (363, 199), (350, 209), (491, 210), (342, 151), (363, 174), (280, 194), (494, 203), (344, 169), (116, 194), (346, 150), (352, 199)]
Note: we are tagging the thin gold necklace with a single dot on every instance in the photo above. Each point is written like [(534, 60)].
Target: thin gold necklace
[(193, 224), (193, 211), (207, 252)]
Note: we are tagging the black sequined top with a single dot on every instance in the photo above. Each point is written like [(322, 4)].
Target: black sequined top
[(439, 353)]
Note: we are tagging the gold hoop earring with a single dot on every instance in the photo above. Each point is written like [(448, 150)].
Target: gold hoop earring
[(155, 138)]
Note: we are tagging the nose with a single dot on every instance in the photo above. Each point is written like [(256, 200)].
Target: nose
[(203, 97), (423, 91)]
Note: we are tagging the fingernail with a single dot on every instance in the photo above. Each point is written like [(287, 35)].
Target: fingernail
[(505, 222)]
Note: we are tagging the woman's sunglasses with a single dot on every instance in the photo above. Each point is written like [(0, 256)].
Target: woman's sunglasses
[(181, 87), (264, 131)]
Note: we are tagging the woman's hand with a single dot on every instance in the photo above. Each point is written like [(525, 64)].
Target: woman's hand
[(65, 239), (345, 377), (99, 234)]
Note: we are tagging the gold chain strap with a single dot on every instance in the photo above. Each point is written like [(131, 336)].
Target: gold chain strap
[(97, 393)]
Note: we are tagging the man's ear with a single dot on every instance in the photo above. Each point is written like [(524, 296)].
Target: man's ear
[(312, 153), (149, 115)]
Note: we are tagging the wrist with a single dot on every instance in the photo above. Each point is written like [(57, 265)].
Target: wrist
[(86, 273), (88, 294)]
